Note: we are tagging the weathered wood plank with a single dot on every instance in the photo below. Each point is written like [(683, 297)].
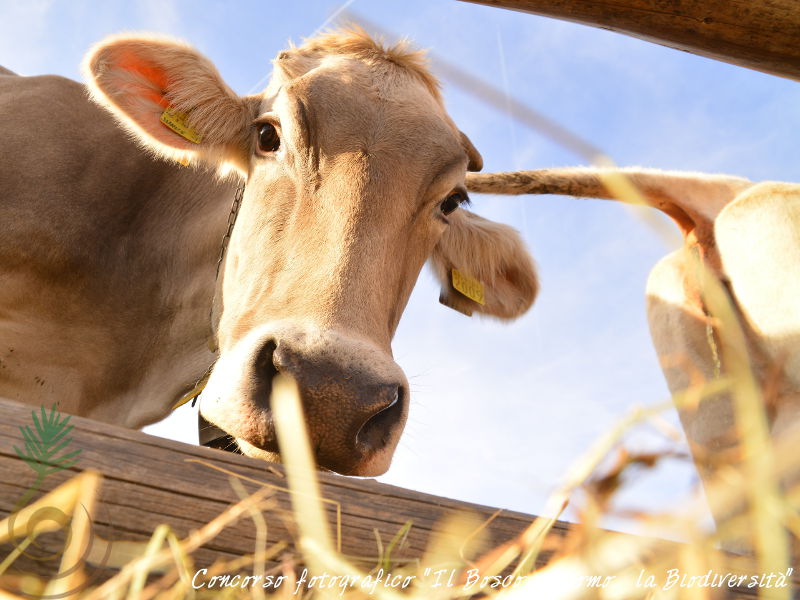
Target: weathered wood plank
[(149, 481), (759, 34)]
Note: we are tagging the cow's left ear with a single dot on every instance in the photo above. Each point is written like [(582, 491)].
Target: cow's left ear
[(494, 255), (172, 98)]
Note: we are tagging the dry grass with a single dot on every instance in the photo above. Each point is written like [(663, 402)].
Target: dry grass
[(591, 563)]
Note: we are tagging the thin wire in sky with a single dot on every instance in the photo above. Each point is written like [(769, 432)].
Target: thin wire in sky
[(507, 89), (502, 101), (261, 82), (512, 130), (333, 16), (489, 94)]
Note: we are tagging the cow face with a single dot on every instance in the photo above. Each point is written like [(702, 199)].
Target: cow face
[(354, 178)]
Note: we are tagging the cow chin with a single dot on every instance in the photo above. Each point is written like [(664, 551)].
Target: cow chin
[(354, 396), (372, 467), (255, 452)]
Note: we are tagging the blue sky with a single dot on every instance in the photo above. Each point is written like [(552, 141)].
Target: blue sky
[(499, 412)]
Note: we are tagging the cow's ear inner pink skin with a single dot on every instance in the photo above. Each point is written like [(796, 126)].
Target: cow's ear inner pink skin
[(138, 78)]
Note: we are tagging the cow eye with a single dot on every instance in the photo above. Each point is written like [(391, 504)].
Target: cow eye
[(268, 138), (452, 202)]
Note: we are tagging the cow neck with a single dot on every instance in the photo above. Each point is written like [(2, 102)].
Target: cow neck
[(200, 384)]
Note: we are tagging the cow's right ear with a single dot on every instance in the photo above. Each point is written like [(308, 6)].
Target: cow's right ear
[(172, 98), (492, 254)]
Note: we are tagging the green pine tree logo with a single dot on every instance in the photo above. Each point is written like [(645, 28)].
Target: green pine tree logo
[(46, 444)]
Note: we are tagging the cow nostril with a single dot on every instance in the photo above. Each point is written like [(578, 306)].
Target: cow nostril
[(264, 372), (374, 434)]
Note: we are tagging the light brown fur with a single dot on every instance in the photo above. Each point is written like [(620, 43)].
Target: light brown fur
[(106, 260), (748, 235), (358, 43), (330, 238)]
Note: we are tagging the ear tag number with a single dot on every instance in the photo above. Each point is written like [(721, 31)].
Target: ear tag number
[(176, 121), (468, 286)]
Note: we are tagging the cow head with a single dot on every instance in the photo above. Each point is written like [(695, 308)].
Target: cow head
[(354, 178)]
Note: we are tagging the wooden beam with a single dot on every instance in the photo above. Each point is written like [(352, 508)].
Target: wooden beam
[(149, 481), (758, 34)]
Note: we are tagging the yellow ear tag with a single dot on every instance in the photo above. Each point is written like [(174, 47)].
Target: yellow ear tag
[(469, 286), (176, 121)]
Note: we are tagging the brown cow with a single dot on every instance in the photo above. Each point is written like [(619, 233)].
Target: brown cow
[(354, 178), (748, 236)]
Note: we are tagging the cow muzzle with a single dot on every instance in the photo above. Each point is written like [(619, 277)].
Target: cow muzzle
[(354, 396)]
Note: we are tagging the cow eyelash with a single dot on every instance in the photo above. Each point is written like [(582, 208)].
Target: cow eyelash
[(453, 201)]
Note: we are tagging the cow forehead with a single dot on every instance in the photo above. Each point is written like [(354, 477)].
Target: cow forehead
[(352, 105)]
